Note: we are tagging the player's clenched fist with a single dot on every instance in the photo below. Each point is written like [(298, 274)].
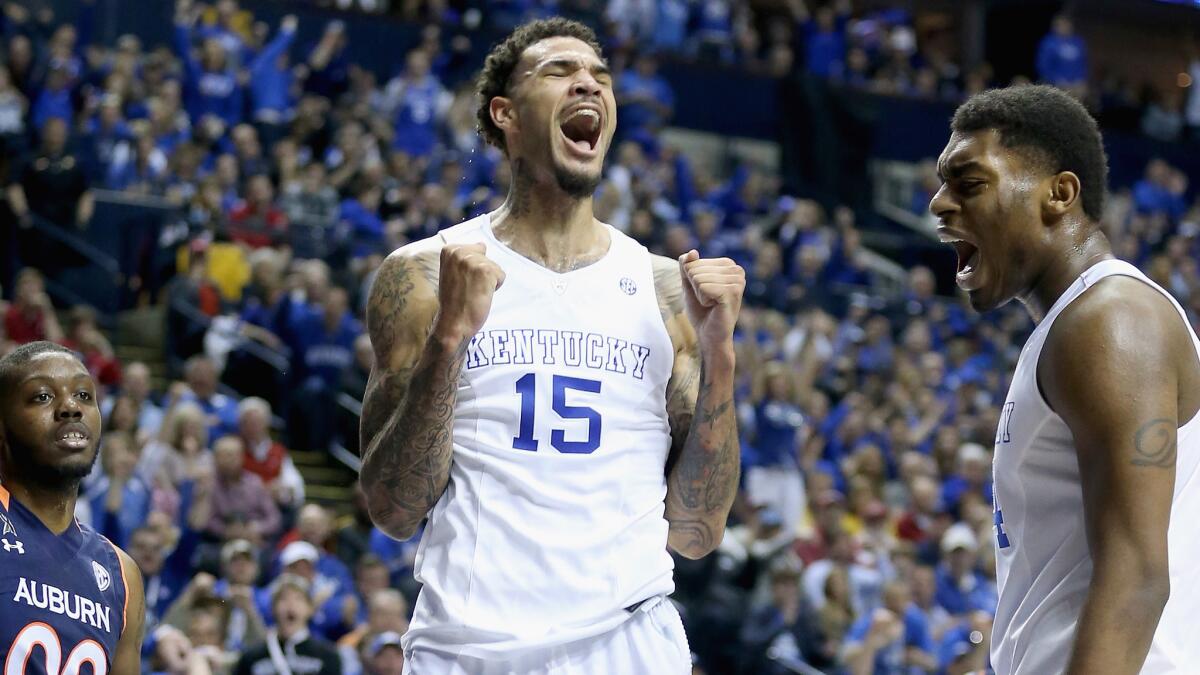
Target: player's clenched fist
[(466, 283), (712, 293)]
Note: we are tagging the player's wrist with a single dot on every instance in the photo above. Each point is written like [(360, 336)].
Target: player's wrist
[(447, 337), (719, 356)]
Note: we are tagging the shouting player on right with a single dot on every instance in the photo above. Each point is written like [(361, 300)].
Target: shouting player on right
[(1098, 448)]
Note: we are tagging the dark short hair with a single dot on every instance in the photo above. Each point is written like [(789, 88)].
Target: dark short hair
[(1051, 127), (11, 364), (498, 67)]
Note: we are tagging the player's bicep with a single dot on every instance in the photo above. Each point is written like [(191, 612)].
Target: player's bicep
[(400, 309), (128, 657), (1110, 377)]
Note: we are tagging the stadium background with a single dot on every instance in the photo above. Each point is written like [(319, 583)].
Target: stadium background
[(197, 197)]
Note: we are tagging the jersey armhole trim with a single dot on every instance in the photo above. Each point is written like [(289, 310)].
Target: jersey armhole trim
[(125, 585)]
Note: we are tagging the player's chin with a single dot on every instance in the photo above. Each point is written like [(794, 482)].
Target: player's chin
[(987, 298)]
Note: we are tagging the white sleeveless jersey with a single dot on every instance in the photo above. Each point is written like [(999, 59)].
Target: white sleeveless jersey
[(552, 522), (1043, 566)]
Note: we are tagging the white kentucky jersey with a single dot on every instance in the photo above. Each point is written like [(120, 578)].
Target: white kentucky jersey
[(1043, 566), (552, 522)]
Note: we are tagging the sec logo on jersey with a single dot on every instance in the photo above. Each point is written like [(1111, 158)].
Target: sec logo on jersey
[(103, 580)]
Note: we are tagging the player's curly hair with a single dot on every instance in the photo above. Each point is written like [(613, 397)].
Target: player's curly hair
[(498, 67), (1055, 129)]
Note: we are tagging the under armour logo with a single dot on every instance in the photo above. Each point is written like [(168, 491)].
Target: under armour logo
[(9, 546)]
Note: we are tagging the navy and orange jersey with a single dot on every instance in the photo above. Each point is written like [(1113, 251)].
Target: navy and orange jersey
[(62, 596)]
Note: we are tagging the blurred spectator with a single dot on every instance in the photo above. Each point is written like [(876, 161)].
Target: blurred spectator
[(31, 315), (329, 69), (1062, 58), (53, 184), (387, 611), (271, 82), (891, 639), (256, 221), (210, 83), (773, 476), (645, 99), (418, 103), (120, 498), (1163, 119), (267, 458), (290, 641), (961, 588), (824, 37), (200, 373), (383, 654), (242, 506), (136, 165), (334, 606), (782, 632), (312, 210), (180, 450), (136, 389)]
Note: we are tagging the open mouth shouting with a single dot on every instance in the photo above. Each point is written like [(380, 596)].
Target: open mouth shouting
[(581, 127), (967, 277)]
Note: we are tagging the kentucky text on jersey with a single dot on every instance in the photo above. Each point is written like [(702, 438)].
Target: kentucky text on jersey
[(66, 603), (526, 346)]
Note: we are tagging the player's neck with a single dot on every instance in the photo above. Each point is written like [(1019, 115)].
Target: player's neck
[(1080, 254), (55, 507), (545, 224)]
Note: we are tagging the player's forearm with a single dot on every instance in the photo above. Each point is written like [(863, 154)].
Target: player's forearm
[(1118, 621), (703, 481), (406, 464)]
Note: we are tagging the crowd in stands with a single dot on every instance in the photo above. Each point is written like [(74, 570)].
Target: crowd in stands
[(861, 538)]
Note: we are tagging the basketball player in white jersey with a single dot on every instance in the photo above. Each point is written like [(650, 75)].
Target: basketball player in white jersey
[(1097, 455), (555, 398)]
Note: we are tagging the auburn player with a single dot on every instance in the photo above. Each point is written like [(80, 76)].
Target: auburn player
[(68, 596)]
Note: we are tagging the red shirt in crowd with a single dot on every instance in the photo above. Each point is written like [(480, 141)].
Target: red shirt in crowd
[(27, 326)]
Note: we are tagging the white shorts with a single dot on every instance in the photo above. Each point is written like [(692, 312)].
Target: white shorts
[(651, 641)]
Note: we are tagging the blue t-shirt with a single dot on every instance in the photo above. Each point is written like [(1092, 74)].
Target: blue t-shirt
[(776, 423), (416, 118), (325, 354), (640, 115), (889, 660), (976, 592), (1062, 60)]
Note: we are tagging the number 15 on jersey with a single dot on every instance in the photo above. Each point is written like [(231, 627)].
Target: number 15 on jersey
[(587, 422)]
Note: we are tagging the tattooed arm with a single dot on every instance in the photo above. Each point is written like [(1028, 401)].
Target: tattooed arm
[(1112, 368), (704, 462), (402, 481)]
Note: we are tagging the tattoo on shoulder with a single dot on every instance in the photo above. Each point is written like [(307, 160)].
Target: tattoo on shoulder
[(1155, 444), (390, 293)]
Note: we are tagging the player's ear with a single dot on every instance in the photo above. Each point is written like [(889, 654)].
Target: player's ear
[(1062, 194), (504, 114)]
